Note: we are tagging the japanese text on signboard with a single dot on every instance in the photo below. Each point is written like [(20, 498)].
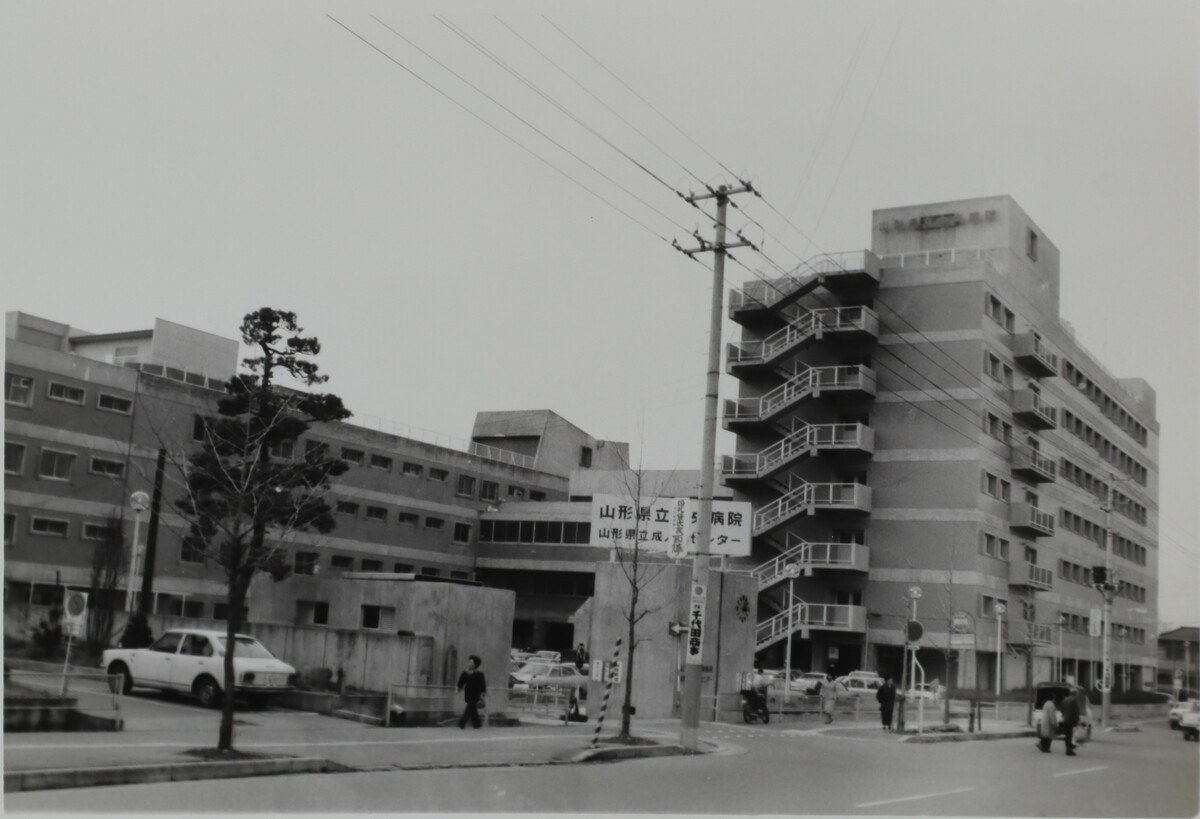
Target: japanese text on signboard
[(670, 525)]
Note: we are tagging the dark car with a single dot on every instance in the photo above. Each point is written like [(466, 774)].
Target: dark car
[(1058, 691)]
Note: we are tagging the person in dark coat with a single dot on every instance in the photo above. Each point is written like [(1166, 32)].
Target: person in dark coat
[(581, 657), (1070, 719), (886, 696), (473, 685)]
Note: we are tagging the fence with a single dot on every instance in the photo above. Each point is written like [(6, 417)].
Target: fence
[(72, 701)]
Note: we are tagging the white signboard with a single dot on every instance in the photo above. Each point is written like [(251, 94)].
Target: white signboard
[(695, 625), (1095, 623), (75, 613), (670, 525)]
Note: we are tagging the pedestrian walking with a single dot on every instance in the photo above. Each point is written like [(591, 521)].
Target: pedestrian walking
[(581, 657), (1047, 725), (886, 697), (829, 698), (474, 686), (1070, 719)]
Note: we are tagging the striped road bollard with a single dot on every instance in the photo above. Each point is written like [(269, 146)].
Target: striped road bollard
[(608, 684)]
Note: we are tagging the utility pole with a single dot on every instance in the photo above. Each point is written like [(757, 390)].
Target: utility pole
[(1107, 588), (690, 704)]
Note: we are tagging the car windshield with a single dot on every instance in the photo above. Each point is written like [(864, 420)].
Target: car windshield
[(248, 647), (534, 669)]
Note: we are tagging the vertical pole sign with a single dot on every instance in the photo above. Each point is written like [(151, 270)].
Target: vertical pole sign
[(74, 616), (695, 632)]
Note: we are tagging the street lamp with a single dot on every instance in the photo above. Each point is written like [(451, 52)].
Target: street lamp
[(792, 571), (1062, 621), (139, 502), (1122, 632), (999, 608)]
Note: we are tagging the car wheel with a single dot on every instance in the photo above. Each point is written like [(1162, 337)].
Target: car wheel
[(207, 691), (126, 682)]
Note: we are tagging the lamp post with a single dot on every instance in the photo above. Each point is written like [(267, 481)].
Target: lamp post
[(792, 571), (1062, 621), (1122, 633), (139, 502), (999, 608)]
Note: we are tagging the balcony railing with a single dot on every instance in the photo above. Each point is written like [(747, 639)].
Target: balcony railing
[(1033, 464), (808, 556), (805, 441), (1025, 574), (1029, 406), (814, 324), (804, 616), (809, 497), (1030, 634), (766, 294), (809, 382), (1029, 352), (1031, 520)]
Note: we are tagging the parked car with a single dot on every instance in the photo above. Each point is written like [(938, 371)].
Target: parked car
[(1190, 725), (860, 686), (520, 678), (560, 675), (1176, 714), (809, 682), (925, 691), (193, 660), (1057, 691)]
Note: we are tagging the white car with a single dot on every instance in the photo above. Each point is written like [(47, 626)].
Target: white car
[(860, 686), (1176, 714), (193, 660), (1190, 724), (925, 691), (557, 675), (810, 682)]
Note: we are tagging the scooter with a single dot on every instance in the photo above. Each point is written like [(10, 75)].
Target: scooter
[(754, 705)]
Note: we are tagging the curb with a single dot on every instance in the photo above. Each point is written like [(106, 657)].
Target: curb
[(922, 739), (611, 752), (167, 772)]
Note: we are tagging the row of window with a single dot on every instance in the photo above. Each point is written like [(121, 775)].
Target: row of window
[(995, 369), (1107, 449), (1125, 548), (997, 487), (1080, 525), (1111, 409), (1074, 572), (462, 531), (998, 428), (19, 391), (309, 563), (534, 531), (995, 309), (47, 526), (57, 464), (995, 546)]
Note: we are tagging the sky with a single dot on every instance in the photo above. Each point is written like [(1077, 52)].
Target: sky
[(472, 204)]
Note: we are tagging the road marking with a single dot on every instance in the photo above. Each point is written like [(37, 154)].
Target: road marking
[(911, 798), (1083, 770)]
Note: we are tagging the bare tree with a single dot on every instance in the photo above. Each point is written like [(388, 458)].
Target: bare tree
[(108, 558), (246, 491)]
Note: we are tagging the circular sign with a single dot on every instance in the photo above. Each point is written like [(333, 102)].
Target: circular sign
[(961, 622), (139, 501), (1000, 609), (914, 630), (742, 607), (76, 603), (914, 592)]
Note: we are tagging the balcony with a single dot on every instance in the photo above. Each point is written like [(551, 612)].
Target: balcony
[(809, 440), (1033, 465), (1026, 575), (1028, 519), (806, 556), (808, 498), (1022, 633), (760, 301), (846, 272), (806, 616), (1030, 408), (840, 322), (1029, 352), (811, 382)]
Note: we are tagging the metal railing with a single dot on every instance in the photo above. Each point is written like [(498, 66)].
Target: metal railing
[(807, 496), (1030, 459), (1028, 516), (1029, 402), (809, 555), (803, 615), (806, 440), (809, 381), (813, 323)]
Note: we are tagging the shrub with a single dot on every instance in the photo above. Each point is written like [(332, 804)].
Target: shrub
[(48, 635), (137, 632)]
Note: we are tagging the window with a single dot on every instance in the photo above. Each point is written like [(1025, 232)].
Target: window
[(312, 612), (516, 492), (283, 450), (414, 470), (585, 456), (341, 562), (352, 456), (376, 513), (191, 550), (51, 527), (987, 606), (14, 458), (106, 466), (1000, 314), (402, 568), (438, 475), (94, 531), (1030, 554), (408, 518), (306, 563), (999, 429), (369, 565), (381, 462), (346, 508), (1031, 245), (378, 617), (997, 370), (200, 426), (18, 390), (168, 643), (460, 575), (316, 450), (434, 523), (466, 486), (56, 465), (489, 490), (429, 571), (462, 533), (995, 546), (997, 487), (10, 528), (65, 392), (114, 403), (537, 495)]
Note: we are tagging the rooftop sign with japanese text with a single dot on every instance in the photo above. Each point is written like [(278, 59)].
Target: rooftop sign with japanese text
[(670, 525)]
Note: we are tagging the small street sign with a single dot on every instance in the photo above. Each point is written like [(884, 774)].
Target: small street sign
[(75, 613), (962, 622), (676, 629), (914, 630), (1095, 623)]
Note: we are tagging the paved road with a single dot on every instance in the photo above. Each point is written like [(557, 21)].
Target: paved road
[(762, 769)]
